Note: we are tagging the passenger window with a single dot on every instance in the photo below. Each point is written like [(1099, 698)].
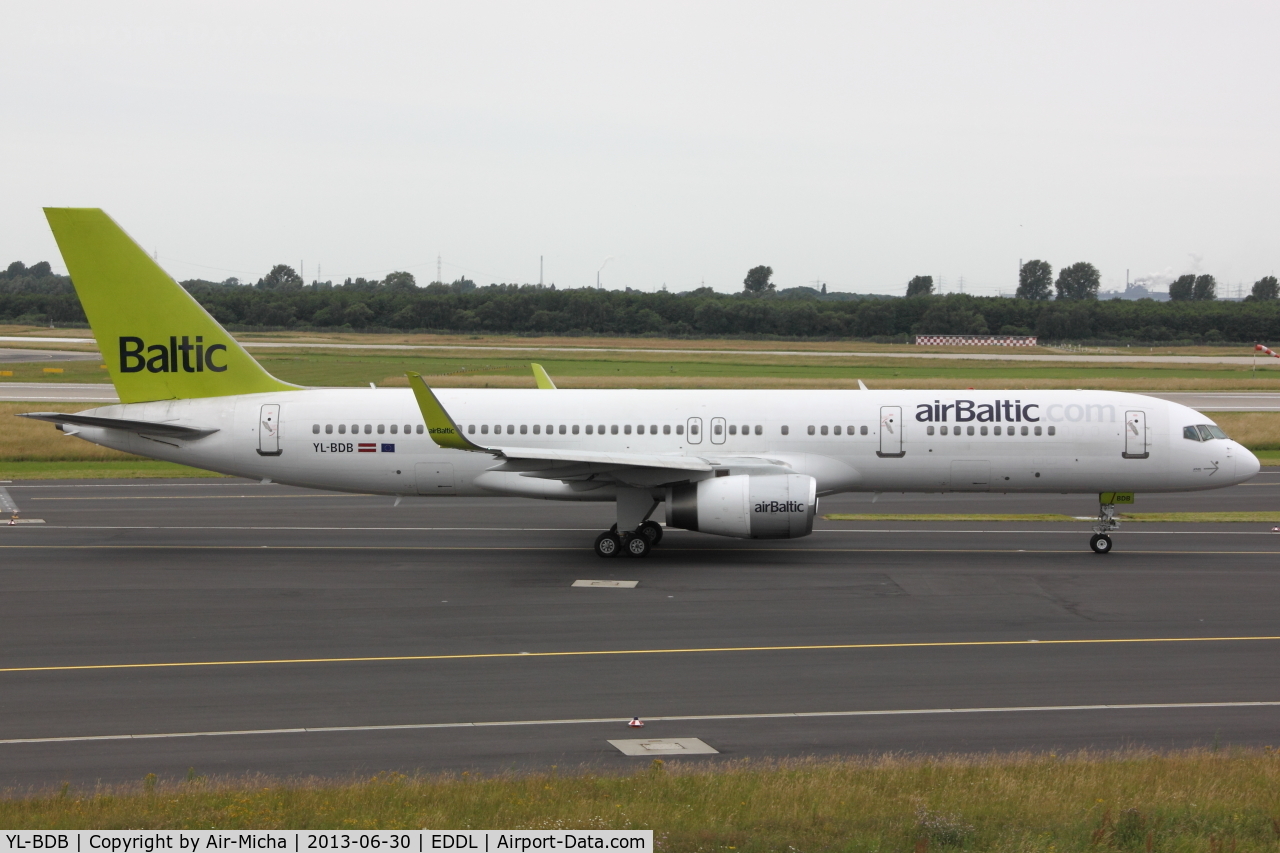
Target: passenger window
[(472, 429), (368, 428), (733, 429), (982, 430), (653, 429), (759, 429), (824, 430), (1024, 430), (718, 429), (836, 430), (590, 429), (810, 430), (1052, 430), (969, 431), (551, 428), (342, 429), (407, 430), (626, 430), (315, 429), (395, 428), (511, 429), (537, 429), (382, 429), (943, 430), (613, 429), (1038, 431), (575, 430), (786, 429), (928, 430), (1205, 435), (996, 430), (679, 429), (484, 429), (418, 429), (862, 431), (524, 429), (666, 429), (328, 429), (600, 429), (693, 429)]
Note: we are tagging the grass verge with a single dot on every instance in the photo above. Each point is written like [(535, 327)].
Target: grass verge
[(123, 469), (1182, 517), (1225, 800)]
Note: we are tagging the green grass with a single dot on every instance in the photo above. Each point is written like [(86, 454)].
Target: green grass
[(353, 369), (1181, 517), (73, 469), (1199, 800)]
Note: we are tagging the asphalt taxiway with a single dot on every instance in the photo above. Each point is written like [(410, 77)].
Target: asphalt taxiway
[(236, 627)]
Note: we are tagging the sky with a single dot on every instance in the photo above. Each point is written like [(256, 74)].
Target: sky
[(652, 144)]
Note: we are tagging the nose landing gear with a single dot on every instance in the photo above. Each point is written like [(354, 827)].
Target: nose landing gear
[(1107, 522)]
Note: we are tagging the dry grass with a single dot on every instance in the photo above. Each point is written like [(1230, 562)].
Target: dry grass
[(1136, 385), (1255, 430), (23, 440), (1201, 800)]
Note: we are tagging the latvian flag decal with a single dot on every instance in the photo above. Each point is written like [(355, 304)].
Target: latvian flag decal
[(367, 448)]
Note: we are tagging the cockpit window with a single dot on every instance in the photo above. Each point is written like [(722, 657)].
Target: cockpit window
[(1202, 432)]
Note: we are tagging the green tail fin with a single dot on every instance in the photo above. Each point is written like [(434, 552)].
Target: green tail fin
[(158, 342)]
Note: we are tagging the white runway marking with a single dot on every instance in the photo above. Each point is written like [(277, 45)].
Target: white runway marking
[(622, 720), (613, 584)]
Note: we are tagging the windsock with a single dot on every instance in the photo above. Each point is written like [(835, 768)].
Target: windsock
[(1270, 352), (636, 723)]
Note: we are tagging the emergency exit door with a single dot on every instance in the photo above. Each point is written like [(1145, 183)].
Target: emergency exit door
[(1135, 435), (891, 432), (269, 430)]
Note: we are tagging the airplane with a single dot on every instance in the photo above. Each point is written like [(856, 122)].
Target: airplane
[(747, 464)]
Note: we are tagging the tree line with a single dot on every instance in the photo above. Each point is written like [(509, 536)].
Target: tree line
[(281, 300)]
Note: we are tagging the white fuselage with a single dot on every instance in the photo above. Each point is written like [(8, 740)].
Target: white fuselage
[(1001, 441)]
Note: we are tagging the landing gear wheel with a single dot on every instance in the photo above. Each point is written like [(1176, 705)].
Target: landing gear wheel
[(636, 545), (608, 544), (652, 531), (1100, 543)]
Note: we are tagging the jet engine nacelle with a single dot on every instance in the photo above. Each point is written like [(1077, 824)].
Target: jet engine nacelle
[(771, 506)]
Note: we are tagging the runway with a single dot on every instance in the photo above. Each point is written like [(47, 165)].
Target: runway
[(235, 627)]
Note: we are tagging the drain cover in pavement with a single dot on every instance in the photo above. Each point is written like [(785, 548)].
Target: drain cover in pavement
[(664, 746)]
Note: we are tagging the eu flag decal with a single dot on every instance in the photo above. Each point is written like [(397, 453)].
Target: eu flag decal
[(388, 448)]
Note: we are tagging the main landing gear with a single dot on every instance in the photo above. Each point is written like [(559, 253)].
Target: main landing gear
[(1107, 522), (636, 544)]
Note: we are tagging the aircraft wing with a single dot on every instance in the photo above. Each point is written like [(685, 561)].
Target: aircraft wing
[(140, 427), (541, 462)]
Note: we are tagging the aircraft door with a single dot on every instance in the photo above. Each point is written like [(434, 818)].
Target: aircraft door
[(718, 431), (891, 432), (694, 430), (1135, 435), (269, 430)]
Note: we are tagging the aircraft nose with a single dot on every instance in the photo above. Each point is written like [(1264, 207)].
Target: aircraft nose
[(1247, 465)]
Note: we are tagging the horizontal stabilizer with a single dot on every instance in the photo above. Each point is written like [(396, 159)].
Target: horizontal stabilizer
[(140, 427)]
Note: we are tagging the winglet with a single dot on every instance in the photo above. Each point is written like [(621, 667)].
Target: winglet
[(540, 376), (861, 386), (443, 431)]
